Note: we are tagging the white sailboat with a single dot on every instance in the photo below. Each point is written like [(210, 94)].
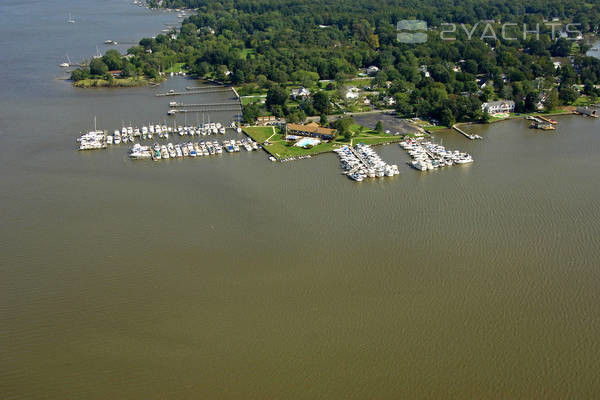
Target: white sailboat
[(98, 54), (70, 20), (66, 64)]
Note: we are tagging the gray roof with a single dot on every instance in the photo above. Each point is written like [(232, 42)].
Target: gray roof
[(500, 102)]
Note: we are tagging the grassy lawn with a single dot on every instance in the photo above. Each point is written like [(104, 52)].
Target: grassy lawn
[(252, 99), (176, 68), (245, 52), (281, 149), (584, 101), (261, 133), (123, 82), (494, 119), (434, 127), (359, 83), (559, 110)]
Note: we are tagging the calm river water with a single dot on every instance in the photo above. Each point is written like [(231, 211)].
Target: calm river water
[(238, 278)]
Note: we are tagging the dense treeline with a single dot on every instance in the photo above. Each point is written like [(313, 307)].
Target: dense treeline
[(269, 43)]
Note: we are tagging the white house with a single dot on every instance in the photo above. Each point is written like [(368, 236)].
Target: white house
[(500, 106), (300, 93), (352, 93), (372, 70), (423, 69), (389, 100)]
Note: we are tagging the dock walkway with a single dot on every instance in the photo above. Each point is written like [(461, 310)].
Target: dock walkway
[(456, 128), (190, 92)]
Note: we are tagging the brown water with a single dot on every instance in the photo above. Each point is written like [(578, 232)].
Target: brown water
[(234, 277)]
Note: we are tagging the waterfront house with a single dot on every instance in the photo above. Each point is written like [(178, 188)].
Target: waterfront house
[(312, 129), (389, 100), (500, 106), (116, 73), (300, 93), (372, 70), (352, 93)]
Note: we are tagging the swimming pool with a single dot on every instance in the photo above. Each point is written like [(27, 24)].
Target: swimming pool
[(307, 141)]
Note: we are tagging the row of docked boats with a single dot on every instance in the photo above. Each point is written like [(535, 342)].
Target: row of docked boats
[(361, 161), (190, 149), (92, 140), (428, 155), (128, 133)]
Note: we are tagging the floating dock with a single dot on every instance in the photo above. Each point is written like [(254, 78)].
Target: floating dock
[(549, 121)]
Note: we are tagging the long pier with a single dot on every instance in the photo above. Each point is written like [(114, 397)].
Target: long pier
[(360, 158), (208, 87), (206, 104), (192, 92), (234, 107), (456, 128)]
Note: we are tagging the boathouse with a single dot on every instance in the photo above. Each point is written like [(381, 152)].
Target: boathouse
[(588, 112)]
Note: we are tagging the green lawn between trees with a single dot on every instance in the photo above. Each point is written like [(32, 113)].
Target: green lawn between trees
[(281, 149)]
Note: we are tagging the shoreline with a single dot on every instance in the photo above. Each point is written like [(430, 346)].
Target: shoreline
[(512, 118), (117, 83)]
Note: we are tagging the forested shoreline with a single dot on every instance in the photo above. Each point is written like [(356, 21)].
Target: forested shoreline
[(267, 47)]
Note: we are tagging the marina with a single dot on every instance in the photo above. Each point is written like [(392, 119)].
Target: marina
[(99, 139), (242, 277), (427, 155), (202, 148), (361, 162)]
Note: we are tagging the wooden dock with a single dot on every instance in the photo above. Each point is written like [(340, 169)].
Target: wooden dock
[(456, 128), (207, 108), (207, 87), (191, 92), (549, 121), (206, 105)]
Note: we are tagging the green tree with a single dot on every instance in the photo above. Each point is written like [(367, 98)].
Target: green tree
[(567, 95), (531, 102), (276, 96), (80, 74), (485, 117), (250, 113), (379, 127), (446, 117), (113, 60), (343, 126), (323, 119), (551, 101), (128, 70), (321, 102), (98, 67)]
